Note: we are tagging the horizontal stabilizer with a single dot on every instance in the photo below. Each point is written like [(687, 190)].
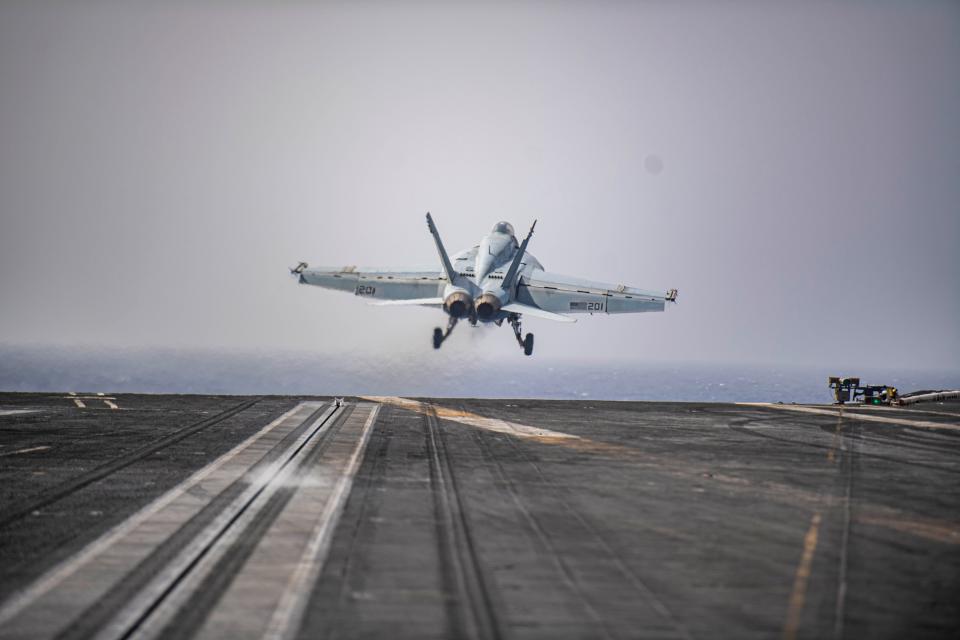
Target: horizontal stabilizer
[(415, 301), (526, 310)]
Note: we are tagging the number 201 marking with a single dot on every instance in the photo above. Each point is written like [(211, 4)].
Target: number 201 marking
[(582, 305), (365, 290)]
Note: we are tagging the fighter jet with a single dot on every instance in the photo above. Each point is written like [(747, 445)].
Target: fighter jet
[(494, 281)]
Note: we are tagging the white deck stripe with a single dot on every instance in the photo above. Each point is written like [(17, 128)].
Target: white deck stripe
[(292, 604), (250, 503), (60, 573), (255, 593), (19, 451), (922, 424)]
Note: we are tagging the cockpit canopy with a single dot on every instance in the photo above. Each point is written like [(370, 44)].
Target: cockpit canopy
[(503, 227)]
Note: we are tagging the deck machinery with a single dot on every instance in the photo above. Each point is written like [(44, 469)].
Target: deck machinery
[(850, 389)]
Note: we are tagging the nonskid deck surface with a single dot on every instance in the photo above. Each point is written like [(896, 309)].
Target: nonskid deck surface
[(203, 516)]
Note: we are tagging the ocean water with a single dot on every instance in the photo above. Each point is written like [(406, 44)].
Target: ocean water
[(428, 374)]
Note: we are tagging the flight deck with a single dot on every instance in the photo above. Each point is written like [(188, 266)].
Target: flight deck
[(155, 516)]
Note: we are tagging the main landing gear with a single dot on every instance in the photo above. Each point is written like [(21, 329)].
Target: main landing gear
[(525, 343), (439, 335)]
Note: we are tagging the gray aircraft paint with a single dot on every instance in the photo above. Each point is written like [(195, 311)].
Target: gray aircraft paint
[(523, 289)]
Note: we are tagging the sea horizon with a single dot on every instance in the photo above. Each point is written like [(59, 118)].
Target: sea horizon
[(277, 372)]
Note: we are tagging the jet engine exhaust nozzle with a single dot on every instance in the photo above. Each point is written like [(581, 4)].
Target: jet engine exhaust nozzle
[(488, 305), (458, 304)]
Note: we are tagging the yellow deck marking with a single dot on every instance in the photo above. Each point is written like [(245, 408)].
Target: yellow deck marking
[(474, 420), (907, 409), (799, 593), (923, 424), (937, 531)]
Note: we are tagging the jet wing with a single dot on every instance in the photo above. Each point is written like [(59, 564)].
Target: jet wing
[(426, 302), (375, 284), (537, 312), (567, 294)]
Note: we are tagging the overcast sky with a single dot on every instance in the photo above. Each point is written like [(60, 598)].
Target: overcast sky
[(793, 169)]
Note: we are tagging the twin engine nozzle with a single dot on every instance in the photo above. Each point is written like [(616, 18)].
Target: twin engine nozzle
[(488, 305), (460, 304)]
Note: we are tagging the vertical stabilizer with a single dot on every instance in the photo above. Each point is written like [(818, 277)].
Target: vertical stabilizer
[(510, 279), (444, 258)]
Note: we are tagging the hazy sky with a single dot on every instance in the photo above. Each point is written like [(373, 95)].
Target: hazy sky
[(794, 169)]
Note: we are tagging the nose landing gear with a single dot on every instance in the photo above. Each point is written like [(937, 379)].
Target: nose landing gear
[(527, 342)]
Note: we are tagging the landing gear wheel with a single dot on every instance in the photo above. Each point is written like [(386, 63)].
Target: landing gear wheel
[(525, 343), (439, 335)]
